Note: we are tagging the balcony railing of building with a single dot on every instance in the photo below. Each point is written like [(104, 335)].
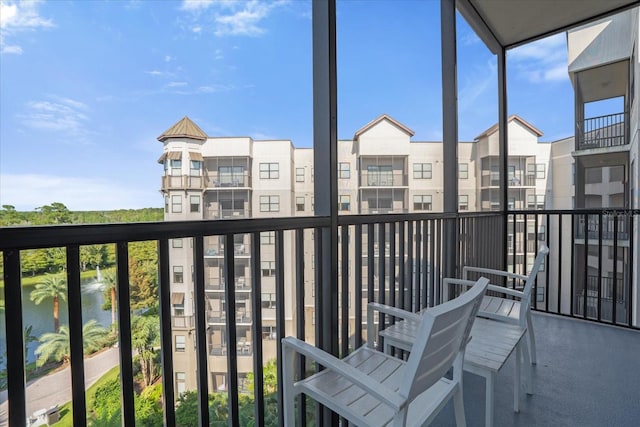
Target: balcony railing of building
[(383, 179), (519, 179), (227, 213), (412, 280), (222, 180), (603, 131), (180, 182)]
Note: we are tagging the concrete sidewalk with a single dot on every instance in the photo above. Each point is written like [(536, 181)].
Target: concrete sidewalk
[(55, 389)]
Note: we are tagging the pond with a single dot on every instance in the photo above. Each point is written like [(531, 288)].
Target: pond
[(40, 317)]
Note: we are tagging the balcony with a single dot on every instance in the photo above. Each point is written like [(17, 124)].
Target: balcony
[(182, 182), (216, 180), (383, 179), (412, 284), (603, 131)]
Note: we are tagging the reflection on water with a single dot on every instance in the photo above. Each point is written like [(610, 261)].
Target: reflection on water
[(41, 316)]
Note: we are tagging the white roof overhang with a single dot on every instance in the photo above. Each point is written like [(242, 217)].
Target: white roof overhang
[(511, 23)]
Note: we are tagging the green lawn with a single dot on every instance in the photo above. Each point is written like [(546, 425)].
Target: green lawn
[(66, 418)]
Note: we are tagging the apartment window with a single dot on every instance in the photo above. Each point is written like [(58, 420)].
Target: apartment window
[(535, 201), (269, 170), (176, 243), (511, 203), (181, 343), (344, 203), (176, 203), (269, 333), (267, 237), (178, 274), (540, 170), (181, 382), (463, 170), (269, 203), (176, 167), (268, 268), (422, 202), (463, 202), (195, 167), (299, 204), (299, 174), (344, 170), (268, 300), (194, 204), (422, 170), (379, 175)]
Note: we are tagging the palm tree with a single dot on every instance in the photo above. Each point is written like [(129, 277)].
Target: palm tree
[(110, 282), (54, 287), (56, 345)]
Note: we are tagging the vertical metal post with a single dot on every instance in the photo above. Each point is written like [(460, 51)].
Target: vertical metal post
[(199, 296), (256, 311), (358, 283), (17, 406), (164, 292), (503, 148), (280, 320), (124, 332), (75, 336), (449, 130)]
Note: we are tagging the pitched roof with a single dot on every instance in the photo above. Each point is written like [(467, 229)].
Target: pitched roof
[(511, 118), (378, 120), (185, 128)]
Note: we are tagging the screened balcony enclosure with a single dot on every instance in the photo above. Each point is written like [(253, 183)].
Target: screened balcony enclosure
[(586, 298)]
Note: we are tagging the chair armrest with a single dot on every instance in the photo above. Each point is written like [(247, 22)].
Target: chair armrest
[(492, 271), (387, 309), (506, 291), (333, 363), (393, 311), (451, 281)]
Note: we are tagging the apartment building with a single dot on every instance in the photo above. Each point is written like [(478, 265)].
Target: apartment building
[(381, 170)]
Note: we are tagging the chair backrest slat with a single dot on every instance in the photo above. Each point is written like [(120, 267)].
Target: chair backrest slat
[(531, 279), (442, 334)]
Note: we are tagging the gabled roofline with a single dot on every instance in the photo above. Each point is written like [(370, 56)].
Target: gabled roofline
[(511, 118), (378, 120)]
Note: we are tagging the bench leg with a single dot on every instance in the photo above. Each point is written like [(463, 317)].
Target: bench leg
[(488, 411), (527, 367), (517, 381)]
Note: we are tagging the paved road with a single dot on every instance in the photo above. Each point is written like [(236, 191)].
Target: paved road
[(55, 389)]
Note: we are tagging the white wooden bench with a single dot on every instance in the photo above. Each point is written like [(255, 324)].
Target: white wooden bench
[(492, 342)]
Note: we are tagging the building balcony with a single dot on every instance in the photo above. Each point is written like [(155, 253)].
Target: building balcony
[(383, 179), (607, 131), (411, 279), (228, 181), (182, 182)]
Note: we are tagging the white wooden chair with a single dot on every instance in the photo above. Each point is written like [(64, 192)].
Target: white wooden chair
[(370, 388), (515, 311)]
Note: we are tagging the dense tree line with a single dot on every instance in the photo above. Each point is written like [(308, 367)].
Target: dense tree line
[(52, 260)]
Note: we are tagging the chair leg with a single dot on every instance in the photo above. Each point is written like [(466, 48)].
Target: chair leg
[(458, 406), (532, 339), (287, 389)]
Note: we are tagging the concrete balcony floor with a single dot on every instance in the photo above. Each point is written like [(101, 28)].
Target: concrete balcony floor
[(587, 374)]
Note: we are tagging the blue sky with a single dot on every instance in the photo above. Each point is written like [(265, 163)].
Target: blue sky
[(87, 86)]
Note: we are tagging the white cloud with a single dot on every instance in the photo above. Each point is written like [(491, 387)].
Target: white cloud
[(195, 5), (218, 54), (475, 85), (57, 114), (28, 191), (231, 18), (176, 84), (16, 50), (168, 58), (543, 61), (158, 73), (17, 17)]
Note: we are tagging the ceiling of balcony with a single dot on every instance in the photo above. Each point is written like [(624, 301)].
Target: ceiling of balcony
[(515, 22)]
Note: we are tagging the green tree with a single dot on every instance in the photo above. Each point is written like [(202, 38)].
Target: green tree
[(52, 287), (270, 378), (10, 216), (143, 274), (35, 261), (145, 337), (56, 345), (110, 282), (55, 213), (92, 256)]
